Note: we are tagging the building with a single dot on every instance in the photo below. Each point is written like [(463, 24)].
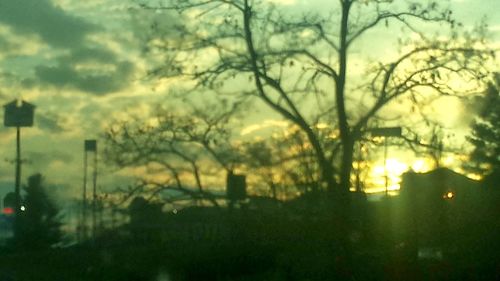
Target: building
[(444, 210)]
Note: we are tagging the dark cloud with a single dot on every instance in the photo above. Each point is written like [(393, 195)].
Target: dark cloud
[(43, 159), (28, 83), (100, 55), (7, 75), (41, 17), (4, 44), (49, 122), (107, 74)]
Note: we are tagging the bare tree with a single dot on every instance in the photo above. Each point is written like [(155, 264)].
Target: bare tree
[(285, 162), (178, 150), (298, 61)]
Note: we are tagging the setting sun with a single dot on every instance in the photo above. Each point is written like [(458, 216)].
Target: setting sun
[(394, 169)]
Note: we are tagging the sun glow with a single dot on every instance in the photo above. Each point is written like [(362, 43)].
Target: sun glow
[(266, 124), (393, 169), (421, 165)]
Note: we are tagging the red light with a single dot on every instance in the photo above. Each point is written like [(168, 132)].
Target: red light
[(8, 210)]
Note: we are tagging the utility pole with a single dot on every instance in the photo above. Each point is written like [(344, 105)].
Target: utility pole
[(18, 113), (90, 146), (94, 195), (18, 170)]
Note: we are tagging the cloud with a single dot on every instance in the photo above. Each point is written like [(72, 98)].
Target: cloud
[(5, 45), (93, 70), (51, 23), (43, 159), (53, 164), (266, 124), (283, 2), (49, 122), (12, 44)]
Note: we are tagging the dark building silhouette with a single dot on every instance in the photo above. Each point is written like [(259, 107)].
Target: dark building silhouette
[(441, 210)]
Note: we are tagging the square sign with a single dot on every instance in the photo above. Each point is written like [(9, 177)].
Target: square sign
[(90, 145), (387, 132), (18, 114)]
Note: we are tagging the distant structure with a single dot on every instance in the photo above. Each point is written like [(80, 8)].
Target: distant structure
[(437, 204), (18, 113), (89, 147), (236, 188), (386, 133)]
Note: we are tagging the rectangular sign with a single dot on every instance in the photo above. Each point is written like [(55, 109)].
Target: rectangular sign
[(18, 114), (386, 132), (90, 145)]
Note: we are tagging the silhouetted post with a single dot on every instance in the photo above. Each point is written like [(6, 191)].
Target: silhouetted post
[(18, 114), (89, 146), (235, 188), (358, 170), (83, 223), (94, 194), (101, 213), (18, 169), (386, 132), (385, 168)]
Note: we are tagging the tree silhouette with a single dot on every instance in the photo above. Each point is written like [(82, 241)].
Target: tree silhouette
[(292, 62), (38, 224), (285, 162), (485, 135), (180, 151)]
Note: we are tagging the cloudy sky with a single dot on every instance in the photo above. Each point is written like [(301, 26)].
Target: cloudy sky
[(82, 63)]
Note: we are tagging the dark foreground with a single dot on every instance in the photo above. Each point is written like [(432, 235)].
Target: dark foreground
[(292, 243), (291, 258)]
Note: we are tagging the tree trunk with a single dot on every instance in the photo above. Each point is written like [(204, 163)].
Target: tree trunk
[(345, 133), (346, 166), (341, 198)]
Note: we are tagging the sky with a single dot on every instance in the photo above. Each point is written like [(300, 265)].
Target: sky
[(83, 64)]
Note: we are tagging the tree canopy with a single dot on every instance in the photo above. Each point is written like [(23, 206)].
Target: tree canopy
[(304, 65), (39, 224), (485, 135)]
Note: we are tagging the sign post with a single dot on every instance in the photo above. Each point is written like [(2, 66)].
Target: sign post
[(90, 146), (386, 132), (18, 113)]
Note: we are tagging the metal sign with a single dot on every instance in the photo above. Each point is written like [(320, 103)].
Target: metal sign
[(18, 114), (90, 145), (387, 132)]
